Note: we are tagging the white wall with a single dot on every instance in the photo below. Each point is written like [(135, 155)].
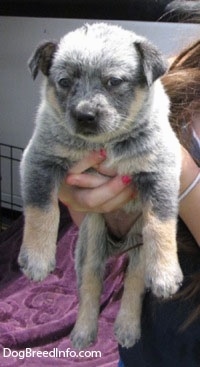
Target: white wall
[(19, 95)]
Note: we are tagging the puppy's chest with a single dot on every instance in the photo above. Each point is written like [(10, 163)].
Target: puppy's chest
[(130, 162), (123, 162)]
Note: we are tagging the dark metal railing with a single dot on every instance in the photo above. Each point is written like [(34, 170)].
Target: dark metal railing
[(10, 204)]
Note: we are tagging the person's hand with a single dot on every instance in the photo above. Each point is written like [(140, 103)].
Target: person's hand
[(103, 193)]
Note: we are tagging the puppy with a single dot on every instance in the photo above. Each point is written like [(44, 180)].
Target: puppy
[(102, 91)]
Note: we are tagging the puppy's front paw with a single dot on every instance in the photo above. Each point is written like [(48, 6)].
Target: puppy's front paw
[(127, 331), (34, 265), (83, 335), (165, 282)]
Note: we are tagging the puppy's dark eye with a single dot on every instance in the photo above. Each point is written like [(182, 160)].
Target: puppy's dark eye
[(114, 82), (64, 83)]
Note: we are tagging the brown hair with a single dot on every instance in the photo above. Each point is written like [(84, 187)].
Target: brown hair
[(182, 84)]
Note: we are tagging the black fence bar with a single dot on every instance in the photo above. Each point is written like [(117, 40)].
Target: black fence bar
[(9, 207)]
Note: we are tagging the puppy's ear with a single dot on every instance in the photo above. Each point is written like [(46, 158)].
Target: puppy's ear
[(153, 63), (42, 59)]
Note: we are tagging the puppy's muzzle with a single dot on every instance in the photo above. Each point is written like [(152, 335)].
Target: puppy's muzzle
[(86, 119)]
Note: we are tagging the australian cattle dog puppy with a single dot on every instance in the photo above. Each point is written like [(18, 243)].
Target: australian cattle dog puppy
[(102, 91)]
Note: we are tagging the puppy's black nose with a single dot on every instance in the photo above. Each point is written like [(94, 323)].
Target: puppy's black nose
[(87, 117)]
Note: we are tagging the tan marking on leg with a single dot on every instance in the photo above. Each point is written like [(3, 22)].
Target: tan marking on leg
[(86, 326), (37, 254), (163, 272), (160, 238), (127, 324), (40, 227), (90, 292)]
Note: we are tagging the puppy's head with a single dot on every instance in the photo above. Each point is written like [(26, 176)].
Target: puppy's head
[(98, 78)]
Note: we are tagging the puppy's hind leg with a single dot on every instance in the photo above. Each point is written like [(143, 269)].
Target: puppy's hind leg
[(90, 262), (127, 325)]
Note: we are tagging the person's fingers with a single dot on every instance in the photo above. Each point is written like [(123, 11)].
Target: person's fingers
[(118, 201), (86, 180), (104, 170), (94, 199), (92, 159)]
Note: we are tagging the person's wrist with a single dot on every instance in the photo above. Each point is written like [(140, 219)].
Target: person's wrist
[(76, 216)]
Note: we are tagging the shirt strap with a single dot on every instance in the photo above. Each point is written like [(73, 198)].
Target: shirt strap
[(190, 187)]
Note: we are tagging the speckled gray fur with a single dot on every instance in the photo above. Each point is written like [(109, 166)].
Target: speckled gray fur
[(102, 90)]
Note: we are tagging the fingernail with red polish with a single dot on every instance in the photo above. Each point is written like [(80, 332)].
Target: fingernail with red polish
[(126, 180), (102, 153)]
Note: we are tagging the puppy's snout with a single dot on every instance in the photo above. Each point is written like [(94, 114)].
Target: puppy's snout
[(86, 119)]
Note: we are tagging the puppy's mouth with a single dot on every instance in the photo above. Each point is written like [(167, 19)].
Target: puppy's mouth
[(87, 131)]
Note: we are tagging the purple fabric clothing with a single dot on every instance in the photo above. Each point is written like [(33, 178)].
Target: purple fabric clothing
[(41, 315)]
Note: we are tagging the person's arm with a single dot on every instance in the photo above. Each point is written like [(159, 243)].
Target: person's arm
[(189, 206)]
